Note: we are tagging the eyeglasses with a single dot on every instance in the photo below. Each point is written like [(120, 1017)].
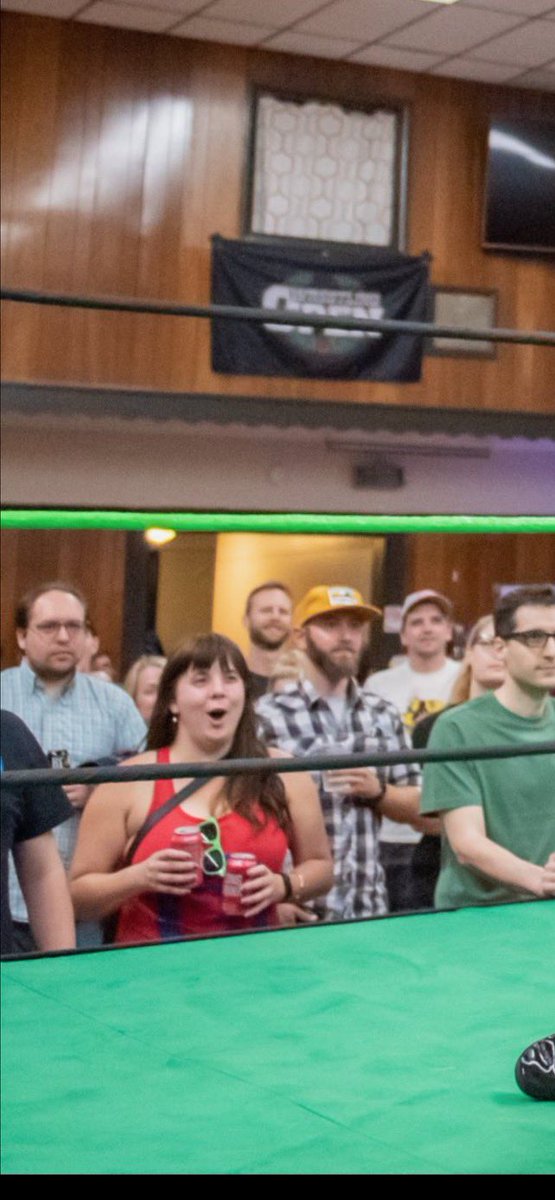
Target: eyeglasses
[(534, 639), (52, 628), (214, 860)]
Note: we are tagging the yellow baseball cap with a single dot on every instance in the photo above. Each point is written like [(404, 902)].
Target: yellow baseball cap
[(324, 599)]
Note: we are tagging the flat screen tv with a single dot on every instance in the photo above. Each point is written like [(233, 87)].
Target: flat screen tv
[(519, 209)]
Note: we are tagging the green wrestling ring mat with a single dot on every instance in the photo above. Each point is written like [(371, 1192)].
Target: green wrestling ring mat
[(384, 1046)]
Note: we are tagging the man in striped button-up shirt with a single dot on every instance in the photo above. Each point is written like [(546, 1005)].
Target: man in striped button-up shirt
[(65, 710), (326, 712)]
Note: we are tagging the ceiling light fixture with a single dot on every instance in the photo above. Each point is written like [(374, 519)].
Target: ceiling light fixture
[(159, 537)]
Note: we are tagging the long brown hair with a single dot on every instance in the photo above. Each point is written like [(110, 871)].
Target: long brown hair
[(244, 793)]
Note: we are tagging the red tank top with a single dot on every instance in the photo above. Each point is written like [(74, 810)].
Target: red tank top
[(154, 917)]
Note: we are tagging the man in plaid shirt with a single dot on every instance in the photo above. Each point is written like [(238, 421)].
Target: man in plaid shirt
[(326, 712)]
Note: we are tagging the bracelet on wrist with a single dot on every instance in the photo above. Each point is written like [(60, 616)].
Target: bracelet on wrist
[(288, 887), (299, 887)]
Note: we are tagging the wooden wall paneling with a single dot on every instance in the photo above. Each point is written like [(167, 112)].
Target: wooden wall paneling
[(94, 560), (535, 559), (60, 179), (8, 117), (212, 195), (465, 567), (125, 151), (27, 558), (8, 597), (183, 239), (31, 145)]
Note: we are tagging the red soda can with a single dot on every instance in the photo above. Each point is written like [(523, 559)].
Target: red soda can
[(189, 838), (237, 867)]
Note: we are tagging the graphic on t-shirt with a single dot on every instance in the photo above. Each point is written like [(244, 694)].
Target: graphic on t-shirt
[(418, 709)]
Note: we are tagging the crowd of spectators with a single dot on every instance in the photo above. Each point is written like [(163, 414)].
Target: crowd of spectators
[(337, 844)]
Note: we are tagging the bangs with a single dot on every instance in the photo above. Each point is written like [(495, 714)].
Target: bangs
[(206, 650)]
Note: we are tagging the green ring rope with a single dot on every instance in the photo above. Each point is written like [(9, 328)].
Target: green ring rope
[(244, 522)]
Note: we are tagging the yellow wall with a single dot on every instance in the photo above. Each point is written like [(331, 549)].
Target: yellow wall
[(185, 584), (244, 560)]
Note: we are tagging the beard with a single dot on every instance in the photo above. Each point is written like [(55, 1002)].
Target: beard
[(52, 674), (272, 641), (333, 668)]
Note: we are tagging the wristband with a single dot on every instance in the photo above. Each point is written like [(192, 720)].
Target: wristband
[(381, 793), (383, 788), (288, 887)]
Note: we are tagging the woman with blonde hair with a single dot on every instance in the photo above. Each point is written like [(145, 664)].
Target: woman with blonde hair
[(142, 682), (482, 667)]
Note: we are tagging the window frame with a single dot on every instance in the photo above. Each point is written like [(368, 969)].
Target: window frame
[(399, 224)]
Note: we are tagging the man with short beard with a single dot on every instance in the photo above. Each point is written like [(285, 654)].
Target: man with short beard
[(268, 620), (327, 713)]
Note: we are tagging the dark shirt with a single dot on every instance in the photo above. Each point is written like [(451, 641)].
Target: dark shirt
[(427, 854), (259, 685), (25, 812), (423, 728)]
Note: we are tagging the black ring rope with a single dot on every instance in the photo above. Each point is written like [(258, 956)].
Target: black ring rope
[(250, 766), (275, 317)]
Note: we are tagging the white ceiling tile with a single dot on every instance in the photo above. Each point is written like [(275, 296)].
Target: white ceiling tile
[(523, 8), (541, 79), (293, 42), (275, 13), (43, 8), (364, 20), (529, 46), (454, 30), (128, 16), (401, 60), (203, 30), (467, 68), (495, 39)]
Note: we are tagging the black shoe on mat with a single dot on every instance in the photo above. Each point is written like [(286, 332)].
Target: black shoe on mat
[(535, 1069)]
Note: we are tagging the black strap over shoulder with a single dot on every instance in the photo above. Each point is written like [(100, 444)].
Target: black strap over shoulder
[(159, 813)]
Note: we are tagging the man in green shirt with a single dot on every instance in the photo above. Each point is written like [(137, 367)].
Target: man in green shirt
[(498, 815)]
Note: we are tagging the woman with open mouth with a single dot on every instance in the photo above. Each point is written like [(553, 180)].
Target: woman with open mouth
[(129, 863)]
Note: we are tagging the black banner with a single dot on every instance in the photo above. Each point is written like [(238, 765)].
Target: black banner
[(345, 281)]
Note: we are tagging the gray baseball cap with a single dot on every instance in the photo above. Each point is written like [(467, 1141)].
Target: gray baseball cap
[(427, 594)]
